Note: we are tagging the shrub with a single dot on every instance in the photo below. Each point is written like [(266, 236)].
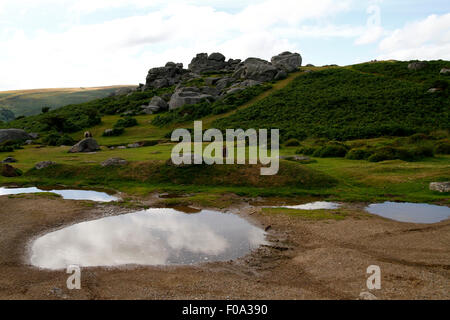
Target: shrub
[(308, 151), (383, 154), (292, 143), (127, 122), (442, 147), (332, 149), (56, 139), (358, 154), (418, 137)]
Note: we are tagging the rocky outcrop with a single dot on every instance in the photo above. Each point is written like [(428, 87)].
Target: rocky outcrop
[(9, 171), (256, 69), (190, 95), (156, 104), (215, 62), (445, 71), (44, 164), (85, 145), (287, 61), (114, 162), (13, 135), (242, 86), (169, 75), (440, 186), (416, 66)]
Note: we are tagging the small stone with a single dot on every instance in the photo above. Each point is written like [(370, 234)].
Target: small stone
[(114, 162), (440, 186), (44, 164)]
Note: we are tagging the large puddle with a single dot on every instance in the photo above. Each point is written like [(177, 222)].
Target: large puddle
[(319, 205), (66, 194), (150, 237), (410, 212)]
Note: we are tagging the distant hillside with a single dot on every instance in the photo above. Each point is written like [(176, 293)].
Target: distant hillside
[(31, 102), (361, 101)]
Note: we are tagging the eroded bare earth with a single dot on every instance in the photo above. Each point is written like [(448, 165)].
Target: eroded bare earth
[(324, 259)]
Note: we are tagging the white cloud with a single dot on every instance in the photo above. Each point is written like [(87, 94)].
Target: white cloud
[(427, 39), (120, 51)]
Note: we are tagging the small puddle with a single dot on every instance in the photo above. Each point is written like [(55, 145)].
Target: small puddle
[(66, 194), (319, 205), (150, 237), (410, 212)]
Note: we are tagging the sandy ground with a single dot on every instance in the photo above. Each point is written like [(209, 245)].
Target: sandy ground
[(306, 259)]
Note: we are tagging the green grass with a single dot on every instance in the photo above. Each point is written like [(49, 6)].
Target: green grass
[(344, 103)]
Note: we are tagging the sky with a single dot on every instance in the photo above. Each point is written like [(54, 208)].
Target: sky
[(82, 43)]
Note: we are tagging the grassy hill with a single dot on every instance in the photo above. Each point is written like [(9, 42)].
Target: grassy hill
[(30, 102), (362, 101)]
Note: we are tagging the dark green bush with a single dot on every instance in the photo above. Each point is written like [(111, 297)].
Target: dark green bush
[(308, 151), (56, 139), (442, 147), (331, 151), (292, 143), (358, 154), (127, 122)]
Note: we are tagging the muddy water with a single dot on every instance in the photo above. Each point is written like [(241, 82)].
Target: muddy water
[(410, 212), (150, 237), (66, 194)]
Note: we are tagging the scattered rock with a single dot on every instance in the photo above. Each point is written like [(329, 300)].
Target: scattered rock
[(212, 81), (445, 71), (44, 164), (295, 158), (9, 171), (13, 135), (85, 145), (28, 142), (114, 162), (188, 95), (159, 102), (256, 69), (34, 135), (440, 186), (287, 61), (121, 147), (243, 85), (134, 145), (434, 90), (9, 160), (416, 66), (108, 132)]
